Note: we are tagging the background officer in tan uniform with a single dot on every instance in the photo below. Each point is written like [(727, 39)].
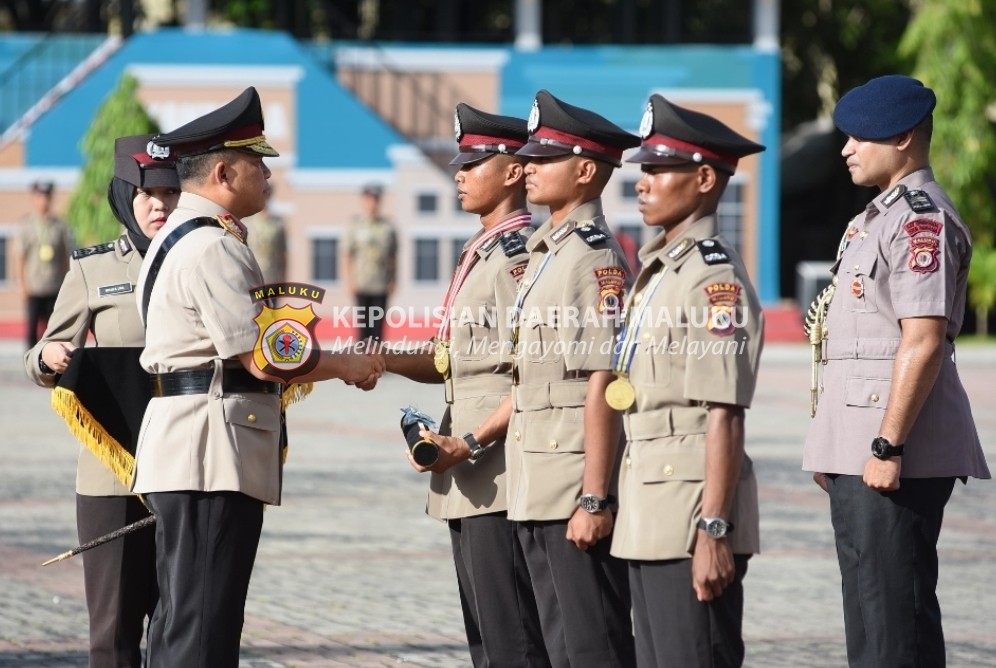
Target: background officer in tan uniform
[(370, 262), (209, 451), (893, 428), (467, 489), (564, 442), (41, 260), (268, 243), (686, 370), (97, 296)]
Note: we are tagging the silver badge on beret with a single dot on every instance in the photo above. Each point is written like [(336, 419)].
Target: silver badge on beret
[(534, 119), (457, 128), (156, 151), (647, 122)]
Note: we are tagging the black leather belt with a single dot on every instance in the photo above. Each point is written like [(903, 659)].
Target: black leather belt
[(198, 381)]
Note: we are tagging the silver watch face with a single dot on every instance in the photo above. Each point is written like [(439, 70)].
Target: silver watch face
[(716, 528), (590, 503)]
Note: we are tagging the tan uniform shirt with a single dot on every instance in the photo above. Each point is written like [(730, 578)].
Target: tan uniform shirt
[(479, 378), (561, 338), (906, 256), (97, 296), (201, 316), (44, 247), (372, 245), (700, 342)]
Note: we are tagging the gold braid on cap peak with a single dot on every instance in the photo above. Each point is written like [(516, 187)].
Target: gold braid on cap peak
[(239, 143)]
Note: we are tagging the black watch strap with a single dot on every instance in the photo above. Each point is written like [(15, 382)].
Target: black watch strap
[(882, 449), (44, 368)]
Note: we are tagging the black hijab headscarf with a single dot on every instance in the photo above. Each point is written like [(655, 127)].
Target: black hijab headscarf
[(121, 197)]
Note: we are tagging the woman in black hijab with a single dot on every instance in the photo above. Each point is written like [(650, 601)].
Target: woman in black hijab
[(97, 298)]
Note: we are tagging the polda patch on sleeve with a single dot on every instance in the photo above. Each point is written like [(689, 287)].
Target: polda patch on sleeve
[(925, 245)]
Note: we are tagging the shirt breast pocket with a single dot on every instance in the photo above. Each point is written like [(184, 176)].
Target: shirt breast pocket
[(858, 286)]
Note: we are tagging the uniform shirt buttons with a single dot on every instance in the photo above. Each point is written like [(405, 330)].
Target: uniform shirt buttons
[(629, 462), (637, 297), (252, 418), (553, 445), (518, 436), (856, 267), (668, 470), (874, 397)]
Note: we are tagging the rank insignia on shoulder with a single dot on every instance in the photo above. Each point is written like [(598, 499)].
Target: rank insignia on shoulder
[(233, 226), (513, 243), (683, 247), (591, 234), (919, 201), (562, 231), (893, 195), (99, 249), (713, 252)]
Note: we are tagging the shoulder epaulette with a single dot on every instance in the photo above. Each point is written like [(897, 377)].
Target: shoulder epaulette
[(919, 201), (80, 253), (591, 234), (893, 195), (713, 252), (513, 243)]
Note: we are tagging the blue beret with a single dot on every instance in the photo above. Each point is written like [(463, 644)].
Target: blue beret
[(883, 107)]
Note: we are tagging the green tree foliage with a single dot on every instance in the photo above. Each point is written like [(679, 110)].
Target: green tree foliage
[(954, 47), (830, 46), (121, 114)]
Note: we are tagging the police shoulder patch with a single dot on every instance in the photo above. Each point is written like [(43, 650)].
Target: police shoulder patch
[(591, 234), (513, 243), (713, 252), (919, 201), (99, 249)]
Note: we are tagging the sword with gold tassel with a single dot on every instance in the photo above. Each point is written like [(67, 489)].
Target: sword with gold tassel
[(106, 538)]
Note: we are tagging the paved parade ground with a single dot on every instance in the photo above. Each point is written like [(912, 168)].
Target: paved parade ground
[(352, 573)]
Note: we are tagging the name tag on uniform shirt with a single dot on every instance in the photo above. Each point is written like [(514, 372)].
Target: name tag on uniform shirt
[(119, 289)]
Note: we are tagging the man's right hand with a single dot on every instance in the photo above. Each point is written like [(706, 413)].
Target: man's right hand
[(821, 480), (57, 354), (360, 369)]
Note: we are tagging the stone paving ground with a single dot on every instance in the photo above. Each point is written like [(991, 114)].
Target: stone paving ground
[(352, 573)]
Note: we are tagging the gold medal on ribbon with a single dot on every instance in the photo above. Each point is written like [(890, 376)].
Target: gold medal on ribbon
[(620, 394), (442, 358), (46, 253)]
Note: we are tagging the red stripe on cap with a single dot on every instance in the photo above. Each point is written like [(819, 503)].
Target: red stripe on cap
[(587, 144), (677, 144), (467, 141)]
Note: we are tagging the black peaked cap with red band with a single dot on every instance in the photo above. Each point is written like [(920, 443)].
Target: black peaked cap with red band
[(480, 134), (132, 163), (237, 125), (674, 135), (557, 128)]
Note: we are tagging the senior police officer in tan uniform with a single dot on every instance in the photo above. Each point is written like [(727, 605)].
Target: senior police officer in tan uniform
[(467, 488), (893, 428), (209, 452), (97, 297), (41, 259), (564, 442), (686, 367)]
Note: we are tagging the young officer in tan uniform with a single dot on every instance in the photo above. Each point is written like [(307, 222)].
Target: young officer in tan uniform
[(686, 367), (564, 442), (97, 296), (467, 489), (41, 261), (893, 428), (209, 451)]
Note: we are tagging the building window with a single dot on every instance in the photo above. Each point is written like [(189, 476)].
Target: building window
[(426, 260), (325, 259), (427, 203), (628, 187), (455, 249), (730, 215)]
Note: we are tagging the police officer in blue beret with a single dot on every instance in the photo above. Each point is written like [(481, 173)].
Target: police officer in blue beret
[(893, 429)]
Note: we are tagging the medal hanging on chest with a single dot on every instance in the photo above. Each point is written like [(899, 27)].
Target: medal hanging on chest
[(620, 394), (441, 360)]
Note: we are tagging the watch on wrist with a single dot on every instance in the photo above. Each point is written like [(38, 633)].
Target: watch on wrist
[(715, 527), (476, 449), (592, 503), (44, 368), (884, 450)]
